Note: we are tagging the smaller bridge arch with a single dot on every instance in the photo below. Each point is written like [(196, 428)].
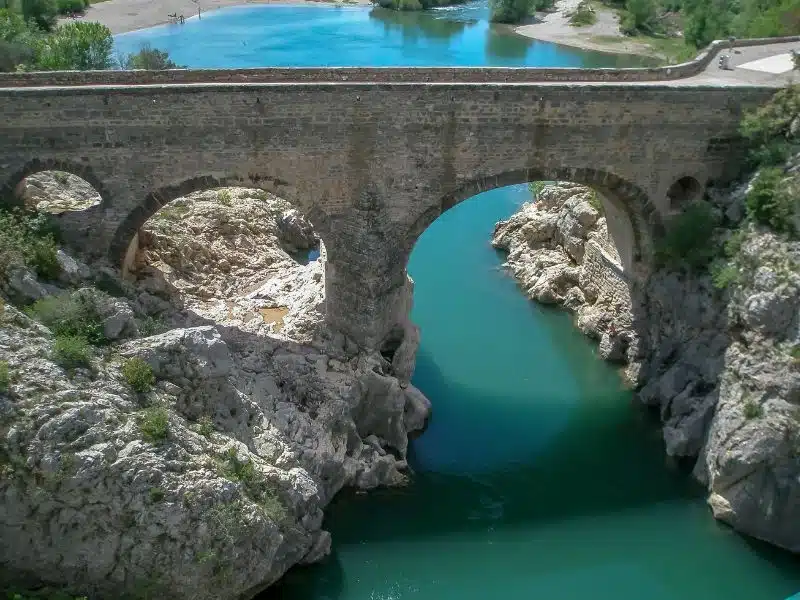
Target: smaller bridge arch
[(9, 190), (124, 241)]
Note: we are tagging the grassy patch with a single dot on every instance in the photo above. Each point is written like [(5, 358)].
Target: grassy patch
[(71, 352), (138, 374), (173, 212), (752, 410), (5, 377), (672, 49), (255, 485), (72, 314), (154, 424)]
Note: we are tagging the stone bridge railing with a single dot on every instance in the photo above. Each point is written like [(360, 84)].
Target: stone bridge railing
[(382, 74)]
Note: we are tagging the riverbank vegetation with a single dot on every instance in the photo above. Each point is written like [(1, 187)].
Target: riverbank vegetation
[(416, 4), (31, 43)]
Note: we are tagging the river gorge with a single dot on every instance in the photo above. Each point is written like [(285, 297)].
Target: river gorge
[(539, 475)]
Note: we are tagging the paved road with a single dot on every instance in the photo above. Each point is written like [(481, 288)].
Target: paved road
[(713, 75)]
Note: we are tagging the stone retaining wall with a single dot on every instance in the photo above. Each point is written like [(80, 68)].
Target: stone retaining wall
[(608, 276)]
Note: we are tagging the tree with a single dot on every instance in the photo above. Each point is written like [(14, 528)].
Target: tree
[(42, 12), (509, 11), (16, 41), (76, 46), (706, 21), (149, 59), (642, 16)]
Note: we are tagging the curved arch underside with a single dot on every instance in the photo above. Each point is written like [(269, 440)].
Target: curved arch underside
[(644, 219), (159, 198), (37, 166)]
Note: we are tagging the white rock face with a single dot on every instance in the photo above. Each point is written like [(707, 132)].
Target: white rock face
[(57, 191), (720, 367), (260, 416)]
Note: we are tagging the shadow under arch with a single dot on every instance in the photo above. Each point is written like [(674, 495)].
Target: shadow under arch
[(643, 216), (119, 252), (85, 172)]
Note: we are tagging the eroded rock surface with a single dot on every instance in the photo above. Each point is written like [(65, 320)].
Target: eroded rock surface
[(212, 483), (721, 367)]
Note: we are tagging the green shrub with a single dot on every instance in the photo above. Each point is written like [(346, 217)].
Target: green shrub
[(724, 275), (594, 201), (510, 11), (28, 239), (70, 7), (5, 378), (687, 240), (795, 353), (138, 374), (224, 197), (156, 494), (205, 426), (80, 45), (149, 59), (151, 326), (773, 201), (154, 424), (72, 314), (768, 128), (536, 187), (71, 352), (752, 410), (272, 506), (583, 15)]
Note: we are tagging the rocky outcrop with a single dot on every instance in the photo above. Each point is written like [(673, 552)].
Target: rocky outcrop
[(58, 191), (212, 482), (560, 252), (721, 367)]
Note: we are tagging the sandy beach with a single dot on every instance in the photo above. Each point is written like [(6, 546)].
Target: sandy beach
[(128, 15), (603, 36)]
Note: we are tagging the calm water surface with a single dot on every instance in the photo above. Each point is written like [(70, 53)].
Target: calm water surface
[(538, 478), (313, 36)]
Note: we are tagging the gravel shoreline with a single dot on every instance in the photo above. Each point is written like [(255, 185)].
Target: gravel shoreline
[(121, 16)]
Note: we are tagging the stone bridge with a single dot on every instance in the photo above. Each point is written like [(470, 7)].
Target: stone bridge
[(371, 156)]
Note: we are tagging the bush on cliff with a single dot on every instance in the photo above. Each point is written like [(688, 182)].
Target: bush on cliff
[(72, 314), (686, 242), (416, 4), (773, 201), (28, 239)]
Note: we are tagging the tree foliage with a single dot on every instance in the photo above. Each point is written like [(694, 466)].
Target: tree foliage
[(76, 46), (149, 59)]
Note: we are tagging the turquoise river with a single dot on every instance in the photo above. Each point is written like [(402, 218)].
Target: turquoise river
[(539, 478)]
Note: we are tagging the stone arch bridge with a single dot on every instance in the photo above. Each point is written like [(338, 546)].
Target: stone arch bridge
[(371, 156)]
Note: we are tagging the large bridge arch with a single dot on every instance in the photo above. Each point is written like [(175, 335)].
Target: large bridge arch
[(634, 237)]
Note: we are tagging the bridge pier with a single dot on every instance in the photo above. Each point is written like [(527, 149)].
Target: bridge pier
[(368, 295)]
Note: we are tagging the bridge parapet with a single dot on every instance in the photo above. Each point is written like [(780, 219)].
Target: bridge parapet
[(384, 74)]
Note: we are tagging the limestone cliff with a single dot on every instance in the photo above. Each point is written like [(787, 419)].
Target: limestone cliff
[(211, 482), (720, 366)]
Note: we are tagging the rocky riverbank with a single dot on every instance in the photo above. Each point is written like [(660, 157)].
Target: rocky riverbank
[(721, 366), (204, 473)]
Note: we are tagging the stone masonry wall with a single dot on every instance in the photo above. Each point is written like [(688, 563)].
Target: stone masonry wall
[(371, 165)]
